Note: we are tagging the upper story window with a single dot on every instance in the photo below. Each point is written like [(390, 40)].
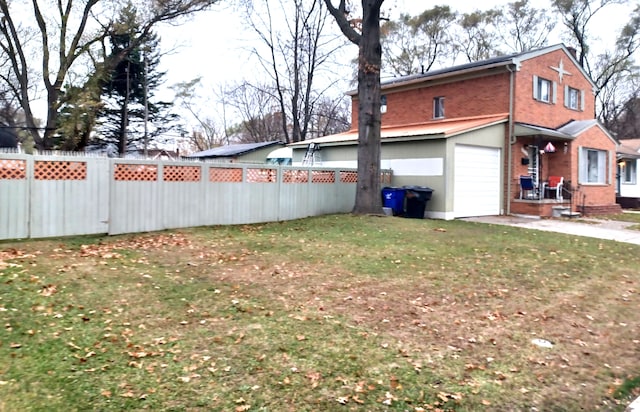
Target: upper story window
[(573, 98), (593, 166), (544, 90), (438, 107), (383, 104)]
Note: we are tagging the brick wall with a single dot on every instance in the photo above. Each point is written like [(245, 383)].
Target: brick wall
[(463, 98), (528, 110)]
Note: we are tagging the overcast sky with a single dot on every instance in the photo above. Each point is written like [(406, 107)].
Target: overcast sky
[(214, 45)]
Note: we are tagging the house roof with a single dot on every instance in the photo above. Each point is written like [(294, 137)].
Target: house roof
[(435, 130), (629, 149), (232, 150), (569, 131), (515, 59)]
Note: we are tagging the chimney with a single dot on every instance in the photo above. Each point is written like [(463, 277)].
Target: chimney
[(572, 50)]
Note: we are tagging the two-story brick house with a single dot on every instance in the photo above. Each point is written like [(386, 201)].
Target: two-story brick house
[(470, 131)]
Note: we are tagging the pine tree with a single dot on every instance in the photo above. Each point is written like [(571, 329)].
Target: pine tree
[(128, 92)]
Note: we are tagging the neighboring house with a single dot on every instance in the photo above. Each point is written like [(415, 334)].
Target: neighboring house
[(469, 132), (628, 188), (238, 153)]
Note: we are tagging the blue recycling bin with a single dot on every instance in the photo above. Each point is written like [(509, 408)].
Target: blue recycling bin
[(416, 198), (393, 197)]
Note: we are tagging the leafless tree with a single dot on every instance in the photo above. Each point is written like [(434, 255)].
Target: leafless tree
[(415, 43), (294, 50), (258, 108), (211, 127), (524, 27), (477, 36), (610, 68), (67, 30)]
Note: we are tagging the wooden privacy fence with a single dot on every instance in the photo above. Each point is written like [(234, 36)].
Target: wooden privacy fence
[(47, 196)]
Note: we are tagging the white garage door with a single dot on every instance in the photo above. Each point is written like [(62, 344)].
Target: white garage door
[(477, 181)]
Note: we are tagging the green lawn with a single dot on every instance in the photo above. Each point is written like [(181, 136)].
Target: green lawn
[(329, 313)]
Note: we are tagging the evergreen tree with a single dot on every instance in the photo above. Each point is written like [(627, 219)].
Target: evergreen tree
[(131, 116)]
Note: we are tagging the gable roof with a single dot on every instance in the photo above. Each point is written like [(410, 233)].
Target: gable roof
[(232, 150), (433, 130), (515, 59)]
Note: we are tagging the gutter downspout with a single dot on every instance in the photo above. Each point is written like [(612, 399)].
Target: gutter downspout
[(512, 139)]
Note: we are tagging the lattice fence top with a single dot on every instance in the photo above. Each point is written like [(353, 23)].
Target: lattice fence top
[(12, 169), (225, 175), (348, 176), (295, 176), (135, 172), (323, 176), (181, 173), (59, 170), (262, 175)]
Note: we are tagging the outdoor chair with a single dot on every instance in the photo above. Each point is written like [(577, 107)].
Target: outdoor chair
[(527, 188), (555, 183)]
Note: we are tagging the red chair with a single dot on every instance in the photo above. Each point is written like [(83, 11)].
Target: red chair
[(554, 183)]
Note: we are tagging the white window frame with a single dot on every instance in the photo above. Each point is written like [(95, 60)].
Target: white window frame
[(573, 98), (541, 84), (593, 166), (628, 172), (438, 107)]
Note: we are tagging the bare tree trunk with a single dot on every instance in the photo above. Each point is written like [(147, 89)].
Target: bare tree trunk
[(368, 197)]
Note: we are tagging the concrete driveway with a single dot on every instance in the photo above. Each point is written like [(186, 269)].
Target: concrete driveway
[(596, 228)]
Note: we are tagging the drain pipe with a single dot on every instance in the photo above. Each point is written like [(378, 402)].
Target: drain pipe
[(512, 139)]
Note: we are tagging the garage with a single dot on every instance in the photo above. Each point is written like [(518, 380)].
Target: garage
[(476, 181)]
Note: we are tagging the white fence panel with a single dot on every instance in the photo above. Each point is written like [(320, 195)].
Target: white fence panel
[(135, 204), (14, 196), (45, 196)]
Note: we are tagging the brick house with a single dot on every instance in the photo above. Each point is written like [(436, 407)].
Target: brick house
[(470, 131)]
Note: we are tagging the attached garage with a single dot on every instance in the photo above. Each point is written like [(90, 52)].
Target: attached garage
[(459, 159), (477, 172)]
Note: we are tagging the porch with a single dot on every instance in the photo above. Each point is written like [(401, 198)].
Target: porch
[(542, 207), (542, 172)]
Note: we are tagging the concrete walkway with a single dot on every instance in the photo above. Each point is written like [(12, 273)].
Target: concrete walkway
[(596, 228)]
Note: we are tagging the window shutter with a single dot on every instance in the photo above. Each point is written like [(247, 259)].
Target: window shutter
[(582, 100), (582, 165), (612, 161), (555, 92), (535, 87), (566, 96)]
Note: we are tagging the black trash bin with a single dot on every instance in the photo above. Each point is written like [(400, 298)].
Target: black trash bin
[(416, 198), (393, 197)]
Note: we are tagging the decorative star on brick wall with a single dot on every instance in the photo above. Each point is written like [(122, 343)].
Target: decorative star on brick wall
[(561, 71)]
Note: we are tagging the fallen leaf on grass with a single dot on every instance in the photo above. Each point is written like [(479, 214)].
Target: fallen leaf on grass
[(48, 290)]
